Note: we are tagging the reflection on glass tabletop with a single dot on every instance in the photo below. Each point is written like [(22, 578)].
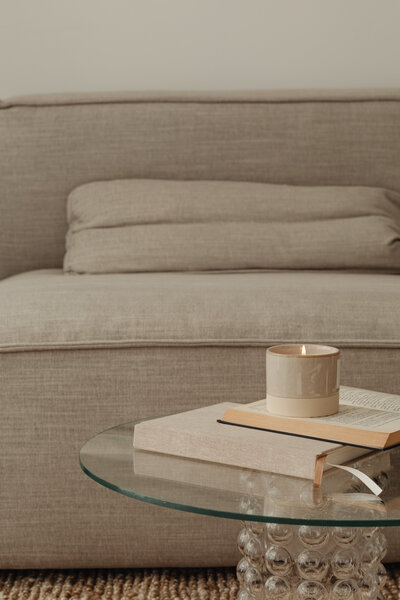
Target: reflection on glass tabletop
[(236, 493)]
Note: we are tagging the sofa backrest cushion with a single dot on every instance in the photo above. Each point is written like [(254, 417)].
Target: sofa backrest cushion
[(155, 225), (52, 144)]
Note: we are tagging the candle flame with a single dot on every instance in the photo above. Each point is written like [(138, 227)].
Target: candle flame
[(303, 349)]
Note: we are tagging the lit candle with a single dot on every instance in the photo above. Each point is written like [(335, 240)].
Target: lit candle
[(303, 380)]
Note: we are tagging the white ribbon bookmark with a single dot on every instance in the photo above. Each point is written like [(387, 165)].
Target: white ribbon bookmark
[(359, 499), (371, 485)]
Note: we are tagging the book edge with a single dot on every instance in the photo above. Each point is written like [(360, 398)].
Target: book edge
[(234, 416), (175, 451)]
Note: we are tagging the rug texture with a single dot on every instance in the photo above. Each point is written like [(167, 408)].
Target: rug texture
[(136, 584), (124, 584)]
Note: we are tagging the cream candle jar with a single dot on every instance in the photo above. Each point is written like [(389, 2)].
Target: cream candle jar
[(303, 380)]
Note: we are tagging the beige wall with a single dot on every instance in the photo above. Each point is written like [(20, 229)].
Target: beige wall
[(69, 45)]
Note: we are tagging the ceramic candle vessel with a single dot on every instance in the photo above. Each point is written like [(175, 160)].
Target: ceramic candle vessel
[(303, 380)]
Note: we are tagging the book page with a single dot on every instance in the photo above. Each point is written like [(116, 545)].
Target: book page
[(360, 409), (369, 399), (362, 418)]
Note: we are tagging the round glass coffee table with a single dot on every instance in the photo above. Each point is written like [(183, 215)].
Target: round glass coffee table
[(295, 540)]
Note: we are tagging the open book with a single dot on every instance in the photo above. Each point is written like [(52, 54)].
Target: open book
[(365, 418)]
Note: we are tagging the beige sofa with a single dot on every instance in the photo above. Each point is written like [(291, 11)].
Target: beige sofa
[(82, 353)]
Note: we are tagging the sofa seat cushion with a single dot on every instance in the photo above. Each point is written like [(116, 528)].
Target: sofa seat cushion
[(47, 309)]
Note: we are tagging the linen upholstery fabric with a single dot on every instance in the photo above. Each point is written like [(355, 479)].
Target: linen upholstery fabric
[(92, 360), (47, 309), (53, 516), (63, 380), (52, 144), (118, 97), (155, 225)]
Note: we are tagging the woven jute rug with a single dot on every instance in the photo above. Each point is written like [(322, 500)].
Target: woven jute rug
[(136, 584), (124, 584)]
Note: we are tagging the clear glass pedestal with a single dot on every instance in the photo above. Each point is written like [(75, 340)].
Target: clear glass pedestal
[(280, 562), (297, 542)]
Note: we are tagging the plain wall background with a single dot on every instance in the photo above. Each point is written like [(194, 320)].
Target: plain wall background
[(86, 45)]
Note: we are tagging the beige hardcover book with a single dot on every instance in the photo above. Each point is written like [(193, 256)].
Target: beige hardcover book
[(197, 434), (365, 418), (200, 473), (256, 483)]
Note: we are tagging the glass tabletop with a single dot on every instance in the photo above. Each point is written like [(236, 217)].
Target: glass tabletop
[(236, 493)]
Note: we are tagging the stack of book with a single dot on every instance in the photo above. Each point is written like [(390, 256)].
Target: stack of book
[(247, 436)]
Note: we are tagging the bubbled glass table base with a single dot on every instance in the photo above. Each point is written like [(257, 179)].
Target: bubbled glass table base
[(281, 562)]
